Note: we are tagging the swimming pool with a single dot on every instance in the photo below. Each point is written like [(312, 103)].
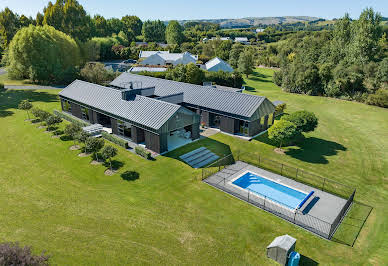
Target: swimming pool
[(287, 196)]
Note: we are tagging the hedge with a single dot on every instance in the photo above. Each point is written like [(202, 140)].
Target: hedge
[(114, 139), (71, 118), (143, 152)]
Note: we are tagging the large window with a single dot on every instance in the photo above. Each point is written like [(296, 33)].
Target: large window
[(66, 106), (124, 129), (244, 126), (85, 113)]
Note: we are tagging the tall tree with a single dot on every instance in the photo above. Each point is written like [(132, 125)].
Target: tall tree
[(132, 23), (341, 38), (115, 25), (9, 24), (25, 105), (154, 31), (246, 62), (174, 33), (100, 26)]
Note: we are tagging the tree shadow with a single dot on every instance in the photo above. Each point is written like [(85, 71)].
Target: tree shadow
[(115, 164), (10, 99), (249, 88), (65, 138), (310, 149), (130, 175), (306, 261)]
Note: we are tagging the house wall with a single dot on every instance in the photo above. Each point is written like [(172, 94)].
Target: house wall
[(195, 131), (137, 134), (92, 116), (266, 121), (227, 125), (114, 126), (157, 143), (76, 110), (205, 118), (254, 128)]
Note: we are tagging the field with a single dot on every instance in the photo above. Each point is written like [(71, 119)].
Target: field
[(56, 201)]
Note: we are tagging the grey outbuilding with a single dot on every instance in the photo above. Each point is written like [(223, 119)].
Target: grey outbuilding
[(280, 248)]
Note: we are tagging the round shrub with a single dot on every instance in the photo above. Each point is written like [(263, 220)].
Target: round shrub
[(130, 175), (305, 121)]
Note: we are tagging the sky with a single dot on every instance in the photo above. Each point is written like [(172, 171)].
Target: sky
[(209, 9)]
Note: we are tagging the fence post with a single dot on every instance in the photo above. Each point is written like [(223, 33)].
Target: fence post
[(295, 215), (259, 160), (265, 197), (224, 181), (297, 170), (281, 171), (323, 186), (248, 195), (202, 173)]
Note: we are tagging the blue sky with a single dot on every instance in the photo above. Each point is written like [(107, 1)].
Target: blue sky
[(196, 9)]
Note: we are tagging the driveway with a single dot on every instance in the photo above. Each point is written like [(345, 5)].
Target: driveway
[(2, 71)]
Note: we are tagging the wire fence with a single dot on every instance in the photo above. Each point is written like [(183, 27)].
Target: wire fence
[(216, 176)]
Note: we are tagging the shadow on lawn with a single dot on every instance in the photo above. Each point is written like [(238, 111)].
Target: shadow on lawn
[(11, 99), (306, 261), (115, 164), (310, 149)]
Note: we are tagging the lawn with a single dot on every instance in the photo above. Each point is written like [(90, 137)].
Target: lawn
[(56, 201), (4, 79)]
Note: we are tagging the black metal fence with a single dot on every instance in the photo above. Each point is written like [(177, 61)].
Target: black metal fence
[(216, 178)]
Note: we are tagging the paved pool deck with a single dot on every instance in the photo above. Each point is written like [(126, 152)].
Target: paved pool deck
[(316, 215)]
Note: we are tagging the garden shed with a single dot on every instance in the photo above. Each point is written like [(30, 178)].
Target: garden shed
[(280, 248)]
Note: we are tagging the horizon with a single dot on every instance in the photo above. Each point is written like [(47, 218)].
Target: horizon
[(208, 10)]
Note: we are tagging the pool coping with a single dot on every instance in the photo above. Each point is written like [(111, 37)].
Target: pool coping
[(230, 182)]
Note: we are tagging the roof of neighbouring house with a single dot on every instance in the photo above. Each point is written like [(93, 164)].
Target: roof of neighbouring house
[(144, 54), (146, 111), (241, 39), (276, 103), (149, 69), (235, 103), (219, 64)]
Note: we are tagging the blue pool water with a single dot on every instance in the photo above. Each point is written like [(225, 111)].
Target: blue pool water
[(279, 193)]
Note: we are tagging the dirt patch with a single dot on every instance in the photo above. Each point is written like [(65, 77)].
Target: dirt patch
[(55, 136), (41, 127), (74, 147), (279, 151), (83, 154), (94, 162), (109, 172)]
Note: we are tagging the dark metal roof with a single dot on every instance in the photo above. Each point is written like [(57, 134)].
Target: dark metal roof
[(146, 111), (234, 103)]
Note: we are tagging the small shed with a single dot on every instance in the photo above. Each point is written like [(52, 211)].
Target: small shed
[(280, 248)]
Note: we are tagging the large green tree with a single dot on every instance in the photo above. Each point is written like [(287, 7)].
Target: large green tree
[(282, 132), (9, 24), (43, 54), (154, 31), (174, 33), (246, 62), (132, 23), (100, 26)]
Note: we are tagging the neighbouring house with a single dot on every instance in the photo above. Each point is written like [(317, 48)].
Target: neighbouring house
[(243, 40), (165, 59), (134, 114), (145, 54), (224, 108), (258, 30), (148, 69), (217, 64), (221, 38)]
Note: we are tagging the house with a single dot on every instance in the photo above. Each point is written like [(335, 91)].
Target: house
[(258, 30), (145, 54), (165, 59), (160, 123), (217, 64), (221, 38), (243, 40), (230, 111), (148, 69)]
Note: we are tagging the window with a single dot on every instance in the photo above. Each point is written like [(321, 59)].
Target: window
[(66, 106), (124, 129), (85, 113), (244, 128)]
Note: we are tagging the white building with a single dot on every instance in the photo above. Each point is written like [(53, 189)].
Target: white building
[(217, 64), (164, 59), (243, 40), (144, 54)]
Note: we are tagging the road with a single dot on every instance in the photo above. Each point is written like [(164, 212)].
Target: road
[(2, 71)]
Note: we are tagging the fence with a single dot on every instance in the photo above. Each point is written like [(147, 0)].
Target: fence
[(218, 179)]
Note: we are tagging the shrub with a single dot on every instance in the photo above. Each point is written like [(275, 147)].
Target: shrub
[(304, 121), (278, 78), (279, 109), (380, 98), (1, 86), (143, 152), (52, 120), (130, 175), (71, 118), (13, 254), (96, 73), (115, 140), (94, 145), (25, 105), (108, 152), (282, 132)]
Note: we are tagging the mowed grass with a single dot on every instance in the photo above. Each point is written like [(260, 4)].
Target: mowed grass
[(56, 201), (4, 79)]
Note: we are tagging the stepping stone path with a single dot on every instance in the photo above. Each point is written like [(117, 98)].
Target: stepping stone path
[(199, 157)]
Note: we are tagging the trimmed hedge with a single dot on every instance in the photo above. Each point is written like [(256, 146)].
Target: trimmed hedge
[(143, 152), (115, 139), (71, 118)]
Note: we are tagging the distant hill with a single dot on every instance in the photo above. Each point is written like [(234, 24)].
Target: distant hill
[(255, 21)]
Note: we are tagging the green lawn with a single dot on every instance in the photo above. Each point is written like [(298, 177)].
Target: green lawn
[(56, 201), (4, 79)]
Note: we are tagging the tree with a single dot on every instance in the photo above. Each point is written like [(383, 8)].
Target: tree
[(41, 114), (108, 152), (100, 26), (72, 130), (115, 25), (94, 145), (13, 254), (96, 73), (82, 137), (52, 120), (303, 120), (132, 23), (246, 62), (223, 50), (39, 19), (154, 31), (69, 17), (25, 105), (279, 109), (282, 132), (43, 55), (174, 33), (194, 75), (9, 24)]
